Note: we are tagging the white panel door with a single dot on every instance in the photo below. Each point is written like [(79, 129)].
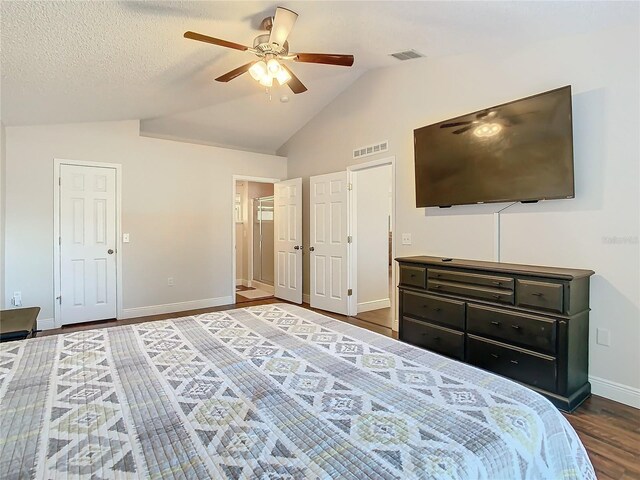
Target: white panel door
[(288, 240), (328, 244), (87, 243)]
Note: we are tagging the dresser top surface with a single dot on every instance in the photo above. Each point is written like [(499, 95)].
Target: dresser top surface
[(512, 268)]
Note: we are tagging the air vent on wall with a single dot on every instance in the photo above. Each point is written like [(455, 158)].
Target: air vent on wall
[(407, 55), (371, 149)]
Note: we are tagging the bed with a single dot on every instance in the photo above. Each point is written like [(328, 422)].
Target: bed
[(273, 391)]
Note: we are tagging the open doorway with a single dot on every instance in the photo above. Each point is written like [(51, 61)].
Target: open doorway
[(371, 225), (254, 238)]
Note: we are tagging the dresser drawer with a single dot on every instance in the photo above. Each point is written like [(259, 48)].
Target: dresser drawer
[(513, 327), (438, 339), (471, 278), (483, 293), (413, 276), (539, 295), (438, 310), (528, 367)]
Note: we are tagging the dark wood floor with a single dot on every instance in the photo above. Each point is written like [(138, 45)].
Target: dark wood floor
[(609, 430)]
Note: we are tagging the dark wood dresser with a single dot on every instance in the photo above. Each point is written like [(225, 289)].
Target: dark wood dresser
[(528, 323)]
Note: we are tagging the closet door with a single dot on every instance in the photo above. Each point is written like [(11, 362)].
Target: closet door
[(328, 244)]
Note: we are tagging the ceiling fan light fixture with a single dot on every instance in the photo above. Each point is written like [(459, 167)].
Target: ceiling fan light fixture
[(283, 76), (273, 66), (259, 70), (266, 81), (487, 130)]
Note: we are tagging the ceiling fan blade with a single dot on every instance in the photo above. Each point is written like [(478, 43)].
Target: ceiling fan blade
[(454, 124), (283, 22), (234, 73), (215, 41), (326, 58), (462, 130), (295, 84)]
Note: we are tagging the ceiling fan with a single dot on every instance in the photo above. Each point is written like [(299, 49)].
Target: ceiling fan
[(485, 124), (271, 49)]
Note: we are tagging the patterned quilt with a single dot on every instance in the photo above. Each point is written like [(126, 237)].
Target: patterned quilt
[(269, 392)]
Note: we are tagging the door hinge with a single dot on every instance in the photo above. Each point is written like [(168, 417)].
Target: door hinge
[(59, 180), (349, 292), (59, 299), (59, 240), (349, 186), (349, 239)]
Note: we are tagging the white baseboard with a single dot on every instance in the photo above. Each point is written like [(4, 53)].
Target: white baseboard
[(176, 307), (243, 282), (374, 305), (306, 298), (615, 391), (262, 286), (46, 324)]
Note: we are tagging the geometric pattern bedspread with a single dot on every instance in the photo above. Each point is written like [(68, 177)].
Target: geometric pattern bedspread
[(273, 391)]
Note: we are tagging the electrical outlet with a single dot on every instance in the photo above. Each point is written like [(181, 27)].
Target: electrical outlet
[(170, 282), (125, 238), (406, 239), (17, 299), (603, 337)]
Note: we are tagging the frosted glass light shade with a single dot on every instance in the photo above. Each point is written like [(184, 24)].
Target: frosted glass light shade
[(258, 70)]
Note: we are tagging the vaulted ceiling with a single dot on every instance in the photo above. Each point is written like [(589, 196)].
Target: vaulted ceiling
[(96, 61)]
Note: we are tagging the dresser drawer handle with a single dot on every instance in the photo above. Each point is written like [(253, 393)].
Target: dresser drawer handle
[(435, 309), (413, 275), (435, 339), (497, 296), (497, 283), (537, 294), (515, 327), (437, 287), (495, 355), (515, 362), (497, 324)]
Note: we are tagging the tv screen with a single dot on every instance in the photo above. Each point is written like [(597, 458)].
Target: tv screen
[(518, 151)]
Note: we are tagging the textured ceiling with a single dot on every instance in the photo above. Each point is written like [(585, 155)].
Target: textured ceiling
[(95, 61)]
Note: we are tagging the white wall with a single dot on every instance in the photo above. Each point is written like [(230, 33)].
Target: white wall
[(596, 230), (2, 210), (176, 204), (371, 187)]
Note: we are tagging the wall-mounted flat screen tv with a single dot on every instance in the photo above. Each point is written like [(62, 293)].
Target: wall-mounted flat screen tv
[(518, 151)]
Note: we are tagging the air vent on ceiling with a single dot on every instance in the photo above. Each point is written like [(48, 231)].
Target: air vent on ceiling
[(371, 149), (407, 55)]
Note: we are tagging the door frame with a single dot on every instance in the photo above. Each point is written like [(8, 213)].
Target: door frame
[(57, 278), (353, 246), (234, 179)]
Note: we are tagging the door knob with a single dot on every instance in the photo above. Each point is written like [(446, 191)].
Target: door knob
[(297, 247), (312, 249), (110, 252)]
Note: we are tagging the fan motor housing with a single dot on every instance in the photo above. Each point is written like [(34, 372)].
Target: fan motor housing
[(261, 43)]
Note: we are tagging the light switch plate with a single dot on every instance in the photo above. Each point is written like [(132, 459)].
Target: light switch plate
[(603, 337), (17, 299), (406, 239), (125, 238)]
